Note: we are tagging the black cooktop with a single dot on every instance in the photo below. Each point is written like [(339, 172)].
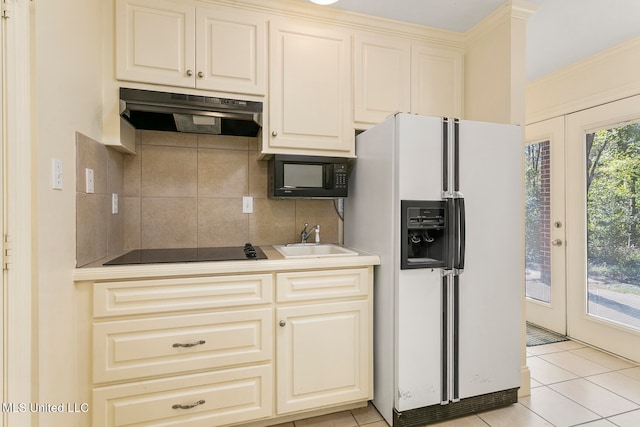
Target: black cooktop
[(152, 256)]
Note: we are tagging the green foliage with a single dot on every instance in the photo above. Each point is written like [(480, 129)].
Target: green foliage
[(613, 195), (533, 158)]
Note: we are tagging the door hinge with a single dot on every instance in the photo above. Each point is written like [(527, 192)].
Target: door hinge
[(6, 252), (6, 9)]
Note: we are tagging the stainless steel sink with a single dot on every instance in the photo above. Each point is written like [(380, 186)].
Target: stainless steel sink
[(313, 250)]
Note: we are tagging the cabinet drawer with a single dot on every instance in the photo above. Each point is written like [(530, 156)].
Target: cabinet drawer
[(315, 285), (128, 349), (221, 397), (164, 295)]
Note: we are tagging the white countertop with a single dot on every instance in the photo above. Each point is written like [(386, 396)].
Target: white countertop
[(275, 262)]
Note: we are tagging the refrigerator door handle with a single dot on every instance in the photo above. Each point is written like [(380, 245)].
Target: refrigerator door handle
[(456, 155), (451, 236), (455, 339), (445, 157), (450, 338), (462, 233), (445, 340)]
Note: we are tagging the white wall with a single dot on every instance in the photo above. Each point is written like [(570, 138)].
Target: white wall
[(605, 77), (562, 33), (495, 65), (68, 97)]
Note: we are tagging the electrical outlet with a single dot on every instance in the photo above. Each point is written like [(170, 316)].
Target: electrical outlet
[(89, 181), (247, 205), (114, 203), (56, 170)]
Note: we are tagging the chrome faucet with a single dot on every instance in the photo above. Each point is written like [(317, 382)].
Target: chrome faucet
[(304, 234)]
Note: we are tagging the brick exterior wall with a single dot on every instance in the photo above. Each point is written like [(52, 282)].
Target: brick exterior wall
[(545, 213)]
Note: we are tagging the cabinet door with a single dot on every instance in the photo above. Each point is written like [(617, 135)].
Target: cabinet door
[(231, 50), (323, 355), (382, 78), (310, 90), (436, 81), (155, 42)]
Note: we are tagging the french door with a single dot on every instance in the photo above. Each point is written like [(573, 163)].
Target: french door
[(545, 225), (603, 226), (3, 143)]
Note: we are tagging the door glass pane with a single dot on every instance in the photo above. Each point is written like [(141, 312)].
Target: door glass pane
[(613, 229), (538, 221)]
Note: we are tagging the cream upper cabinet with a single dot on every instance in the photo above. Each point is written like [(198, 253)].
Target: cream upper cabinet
[(231, 50), (191, 44), (436, 81), (155, 41), (392, 75), (309, 90), (382, 83)]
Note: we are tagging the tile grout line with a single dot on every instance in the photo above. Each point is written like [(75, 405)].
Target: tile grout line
[(586, 378)]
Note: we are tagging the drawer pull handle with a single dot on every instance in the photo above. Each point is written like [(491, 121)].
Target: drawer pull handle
[(193, 405), (189, 344)]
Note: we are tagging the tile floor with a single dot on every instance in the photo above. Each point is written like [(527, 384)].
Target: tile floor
[(571, 385)]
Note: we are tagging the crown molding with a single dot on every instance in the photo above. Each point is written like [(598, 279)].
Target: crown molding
[(337, 17), (512, 9)]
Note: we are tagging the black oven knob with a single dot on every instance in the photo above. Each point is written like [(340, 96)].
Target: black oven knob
[(250, 251)]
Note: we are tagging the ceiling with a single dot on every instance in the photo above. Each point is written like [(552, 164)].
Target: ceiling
[(559, 33)]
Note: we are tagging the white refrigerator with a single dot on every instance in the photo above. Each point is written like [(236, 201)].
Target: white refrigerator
[(440, 201)]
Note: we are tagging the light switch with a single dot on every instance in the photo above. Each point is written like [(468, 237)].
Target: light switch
[(89, 181), (247, 205), (56, 170), (114, 203)]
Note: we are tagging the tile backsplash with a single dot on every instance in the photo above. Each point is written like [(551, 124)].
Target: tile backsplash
[(185, 190), (99, 233)]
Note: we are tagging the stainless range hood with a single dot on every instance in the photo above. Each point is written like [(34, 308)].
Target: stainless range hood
[(173, 112)]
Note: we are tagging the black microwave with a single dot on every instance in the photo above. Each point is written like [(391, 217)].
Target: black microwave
[(307, 176)]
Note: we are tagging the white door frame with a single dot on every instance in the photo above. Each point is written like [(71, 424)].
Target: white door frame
[(17, 144), (581, 326), (552, 315)]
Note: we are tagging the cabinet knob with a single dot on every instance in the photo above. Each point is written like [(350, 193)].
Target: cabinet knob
[(557, 242), (274, 133), (189, 73), (200, 74), (282, 323)]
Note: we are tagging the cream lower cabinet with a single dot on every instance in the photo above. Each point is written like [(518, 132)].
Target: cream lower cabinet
[(182, 352), (226, 349), (322, 355), (323, 346)]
